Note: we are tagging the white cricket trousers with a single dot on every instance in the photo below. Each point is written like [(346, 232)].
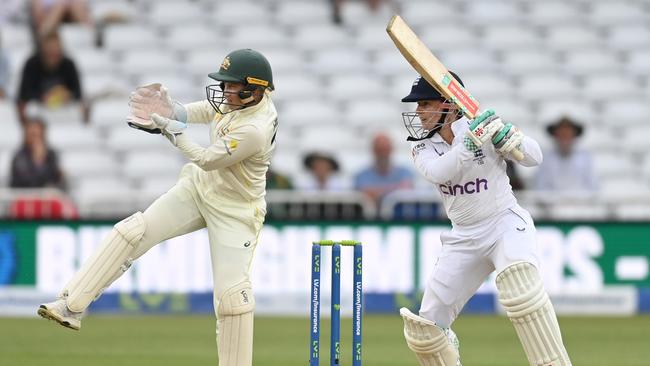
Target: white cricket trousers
[(233, 228), (469, 254)]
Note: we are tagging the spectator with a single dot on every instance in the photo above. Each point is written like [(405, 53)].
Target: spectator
[(322, 177), (566, 167), (374, 6), (382, 177), (275, 180), (49, 77), (47, 15), (36, 165)]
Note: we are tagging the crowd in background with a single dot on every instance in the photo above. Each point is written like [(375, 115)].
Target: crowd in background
[(50, 80), (566, 167)]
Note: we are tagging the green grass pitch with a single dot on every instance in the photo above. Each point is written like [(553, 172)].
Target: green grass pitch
[(190, 341)]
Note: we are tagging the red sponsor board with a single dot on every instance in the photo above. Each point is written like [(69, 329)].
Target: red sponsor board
[(463, 96)]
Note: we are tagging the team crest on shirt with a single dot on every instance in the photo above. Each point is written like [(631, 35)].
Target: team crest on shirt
[(479, 157)]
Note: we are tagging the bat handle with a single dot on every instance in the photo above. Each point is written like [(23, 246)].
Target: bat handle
[(517, 154)]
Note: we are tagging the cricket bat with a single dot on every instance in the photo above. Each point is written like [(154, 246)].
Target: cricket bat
[(433, 71)]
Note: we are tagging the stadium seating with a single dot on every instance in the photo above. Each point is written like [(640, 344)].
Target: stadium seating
[(583, 111), (372, 37), (465, 61), (592, 62), (628, 112), (126, 9), (531, 61), (71, 137), (511, 37), (138, 61), (572, 37), (639, 62), (149, 165), (309, 114), (528, 61), (606, 13), (234, 12), (553, 13), (337, 61), (627, 37), (172, 12), (373, 113), (77, 37), (79, 165), (302, 12), (92, 60), (494, 11), (421, 13), (132, 37)]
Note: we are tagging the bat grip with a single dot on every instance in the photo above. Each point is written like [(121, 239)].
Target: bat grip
[(517, 154)]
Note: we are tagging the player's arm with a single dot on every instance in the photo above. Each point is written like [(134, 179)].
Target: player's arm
[(199, 112), (232, 148), (439, 169), (532, 153), (510, 138)]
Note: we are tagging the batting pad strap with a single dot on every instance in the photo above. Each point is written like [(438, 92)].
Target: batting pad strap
[(235, 326), (530, 310), (428, 341), (112, 258)]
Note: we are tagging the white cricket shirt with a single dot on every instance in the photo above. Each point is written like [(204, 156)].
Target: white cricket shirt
[(473, 185), (242, 143)]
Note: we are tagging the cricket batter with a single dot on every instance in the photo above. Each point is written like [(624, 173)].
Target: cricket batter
[(222, 189), (465, 160)]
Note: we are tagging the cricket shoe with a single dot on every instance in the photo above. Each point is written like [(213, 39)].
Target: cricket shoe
[(58, 311)]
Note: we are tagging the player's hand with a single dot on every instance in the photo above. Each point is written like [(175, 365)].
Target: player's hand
[(507, 139), (168, 127), (144, 101), (484, 127)]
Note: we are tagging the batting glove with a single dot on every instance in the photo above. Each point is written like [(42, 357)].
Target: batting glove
[(507, 139), (484, 127)]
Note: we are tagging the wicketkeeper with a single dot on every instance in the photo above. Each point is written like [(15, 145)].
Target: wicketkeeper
[(222, 189), (465, 160)]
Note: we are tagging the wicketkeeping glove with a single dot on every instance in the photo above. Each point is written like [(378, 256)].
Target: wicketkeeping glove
[(146, 100), (168, 127), (484, 127), (507, 139)]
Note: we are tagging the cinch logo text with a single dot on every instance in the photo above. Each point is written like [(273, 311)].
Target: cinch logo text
[(470, 187)]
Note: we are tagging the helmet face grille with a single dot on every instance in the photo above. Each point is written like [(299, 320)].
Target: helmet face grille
[(215, 96), (218, 99), (415, 127)]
